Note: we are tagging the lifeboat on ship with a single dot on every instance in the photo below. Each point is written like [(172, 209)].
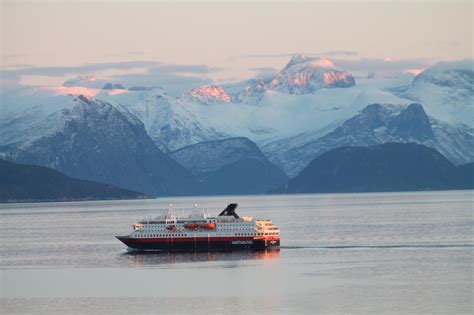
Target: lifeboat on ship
[(191, 225), (209, 226), (171, 228)]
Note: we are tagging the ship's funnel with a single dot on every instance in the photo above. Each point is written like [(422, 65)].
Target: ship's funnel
[(230, 210)]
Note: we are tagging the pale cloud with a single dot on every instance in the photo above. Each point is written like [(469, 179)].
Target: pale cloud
[(172, 77), (330, 53), (173, 83), (195, 42), (263, 72), (334, 53), (385, 65), (78, 32), (85, 68), (101, 76), (80, 90), (74, 90), (176, 78)]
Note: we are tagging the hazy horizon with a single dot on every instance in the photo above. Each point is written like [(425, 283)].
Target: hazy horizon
[(188, 44)]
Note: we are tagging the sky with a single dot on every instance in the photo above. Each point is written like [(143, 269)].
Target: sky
[(181, 44)]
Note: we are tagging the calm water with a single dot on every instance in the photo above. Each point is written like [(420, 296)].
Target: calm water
[(351, 253)]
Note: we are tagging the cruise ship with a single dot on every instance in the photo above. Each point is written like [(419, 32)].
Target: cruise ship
[(198, 232)]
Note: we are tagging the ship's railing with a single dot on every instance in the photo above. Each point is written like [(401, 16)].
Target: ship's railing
[(176, 214)]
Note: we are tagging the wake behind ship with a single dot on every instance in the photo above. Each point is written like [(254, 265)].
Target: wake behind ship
[(199, 232)]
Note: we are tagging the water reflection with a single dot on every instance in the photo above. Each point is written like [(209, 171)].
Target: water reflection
[(143, 258)]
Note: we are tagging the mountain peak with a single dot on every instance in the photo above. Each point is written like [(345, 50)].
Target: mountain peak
[(208, 94), (296, 59), (305, 75), (311, 61), (403, 123), (84, 99)]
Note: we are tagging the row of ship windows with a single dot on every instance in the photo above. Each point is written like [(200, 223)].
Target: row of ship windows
[(186, 235), (219, 229), (162, 228), (242, 224)]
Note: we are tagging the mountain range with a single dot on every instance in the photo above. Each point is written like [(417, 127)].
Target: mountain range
[(93, 140), (376, 124), (143, 139)]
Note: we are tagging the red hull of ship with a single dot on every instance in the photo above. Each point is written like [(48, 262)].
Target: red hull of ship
[(200, 243)]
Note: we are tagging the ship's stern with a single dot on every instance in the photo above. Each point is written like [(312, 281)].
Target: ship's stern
[(266, 243)]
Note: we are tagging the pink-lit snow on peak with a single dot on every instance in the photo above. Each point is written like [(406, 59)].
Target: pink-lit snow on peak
[(333, 76), (323, 63), (210, 92)]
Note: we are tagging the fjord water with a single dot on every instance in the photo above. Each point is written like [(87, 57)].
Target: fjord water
[(341, 253)]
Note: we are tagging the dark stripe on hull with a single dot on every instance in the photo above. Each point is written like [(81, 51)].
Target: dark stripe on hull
[(199, 244)]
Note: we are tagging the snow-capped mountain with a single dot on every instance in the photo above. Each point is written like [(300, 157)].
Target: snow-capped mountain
[(230, 166), (252, 109), (171, 123), (207, 94), (307, 75), (302, 75), (94, 140), (376, 124), (455, 142), (178, 122), (27, 114), (249, 92), (210, 156), (446, 91)]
